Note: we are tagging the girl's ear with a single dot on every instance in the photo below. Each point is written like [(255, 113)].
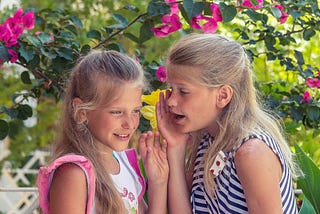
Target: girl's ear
[(80, 114), (224, 95)]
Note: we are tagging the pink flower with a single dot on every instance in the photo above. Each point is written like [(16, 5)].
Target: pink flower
[(14, 56), (248, 4), (313, 82), (210, 24), (171, 23), (319, 73), (161, 74), (306, 97), (284, 16), (216, 13), (174, 7), (28, 20), (13, 27)]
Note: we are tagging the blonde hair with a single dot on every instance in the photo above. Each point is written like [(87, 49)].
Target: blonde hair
[(222, 60), (96, 80)]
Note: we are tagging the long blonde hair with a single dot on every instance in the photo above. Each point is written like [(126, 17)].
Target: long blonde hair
[(222, 60), (96, 80)]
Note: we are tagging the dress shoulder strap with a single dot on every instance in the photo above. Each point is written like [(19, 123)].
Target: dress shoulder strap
[(45, 176), (133, 160)]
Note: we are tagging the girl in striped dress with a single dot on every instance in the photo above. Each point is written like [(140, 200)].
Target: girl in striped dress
[(226, 153)]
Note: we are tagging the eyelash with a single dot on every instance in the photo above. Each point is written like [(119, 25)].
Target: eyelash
[(137, 111)]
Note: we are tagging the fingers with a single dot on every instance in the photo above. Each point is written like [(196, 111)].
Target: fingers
[(142, 145)]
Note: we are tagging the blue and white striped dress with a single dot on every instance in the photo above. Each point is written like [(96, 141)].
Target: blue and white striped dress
[(228, 190)]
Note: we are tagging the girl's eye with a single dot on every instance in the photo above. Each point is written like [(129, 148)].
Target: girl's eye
[(137, 111), (116, 112), (184, 92)]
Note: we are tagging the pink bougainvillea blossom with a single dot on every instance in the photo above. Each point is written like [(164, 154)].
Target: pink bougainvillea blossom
[(306, 97), (14, 56), (174, 7), (171, 23), (248, 4), (161, 74), (13, 27), (284, 16), (27, 20), (216, 13), (206, 23), (313, 82)]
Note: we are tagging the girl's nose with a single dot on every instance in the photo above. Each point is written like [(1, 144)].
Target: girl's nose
[(172, 102), (129, 122)]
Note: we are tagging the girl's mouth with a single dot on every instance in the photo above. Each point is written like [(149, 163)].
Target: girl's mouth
[(178, 118), (123, 136)]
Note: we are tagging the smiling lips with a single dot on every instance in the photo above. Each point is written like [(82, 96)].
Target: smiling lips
[(123, 136)]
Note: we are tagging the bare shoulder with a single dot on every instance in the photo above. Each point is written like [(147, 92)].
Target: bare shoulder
[(68, 189), (255, 156)]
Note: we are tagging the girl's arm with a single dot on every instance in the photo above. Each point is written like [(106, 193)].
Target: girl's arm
[(259, 171), (178, 191), (154, 157), (68, 191)]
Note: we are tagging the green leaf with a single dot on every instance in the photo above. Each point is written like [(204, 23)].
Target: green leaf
[(145, 32), (311, 180), (120, 19), (10, 112), (76, 21), (298, 55), (132, 37), (4, 129), (24, 112), (34, 41), (228, 12), (270, 41), (308, 33), (192, 8), (85, 49), (306, 207), (44, 38), (276, 12), (66, 53), (313, 113), (156, 8), (4, 55), (48, 53), (27, 53), (94, 34), (25, 77)]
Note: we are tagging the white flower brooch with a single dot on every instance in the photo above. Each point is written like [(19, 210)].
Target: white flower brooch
[(218, 163)]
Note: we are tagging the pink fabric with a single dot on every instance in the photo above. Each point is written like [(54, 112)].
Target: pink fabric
[(133, 159), (46, 173)]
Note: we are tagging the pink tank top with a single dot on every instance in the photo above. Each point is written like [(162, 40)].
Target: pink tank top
[(46, 174)]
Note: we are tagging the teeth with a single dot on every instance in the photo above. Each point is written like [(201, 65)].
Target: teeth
[(123, 135)]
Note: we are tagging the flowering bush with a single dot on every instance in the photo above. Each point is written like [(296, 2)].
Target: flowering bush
[(46, 43)]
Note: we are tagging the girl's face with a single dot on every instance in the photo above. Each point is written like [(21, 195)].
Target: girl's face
[(114, 125), (193, 105)]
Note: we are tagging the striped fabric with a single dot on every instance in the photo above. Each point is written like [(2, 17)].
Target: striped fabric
[(228, 190)]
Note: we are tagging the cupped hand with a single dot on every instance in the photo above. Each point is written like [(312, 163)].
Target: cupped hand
[(154, 157), (165, 123)]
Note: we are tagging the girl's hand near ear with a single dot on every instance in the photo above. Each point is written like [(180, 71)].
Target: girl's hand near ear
[(166, 127)]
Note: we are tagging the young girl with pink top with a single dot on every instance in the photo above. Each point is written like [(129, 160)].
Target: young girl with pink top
[(92, 170)]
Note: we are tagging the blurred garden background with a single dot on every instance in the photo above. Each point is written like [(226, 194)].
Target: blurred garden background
[(40, 42)]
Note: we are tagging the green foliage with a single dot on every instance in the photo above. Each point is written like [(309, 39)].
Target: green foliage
[(310, 182), (283, 55)]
